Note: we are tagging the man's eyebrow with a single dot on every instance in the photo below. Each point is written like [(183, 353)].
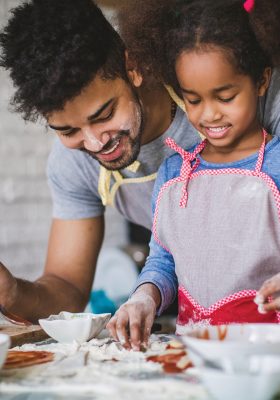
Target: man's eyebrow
[(60, 128), (90, 118), (100, 110), (216, 90)]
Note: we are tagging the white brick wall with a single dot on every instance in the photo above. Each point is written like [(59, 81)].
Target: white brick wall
[(25, 204)]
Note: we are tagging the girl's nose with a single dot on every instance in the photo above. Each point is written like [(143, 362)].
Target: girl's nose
[(211, 113), (94, 141)]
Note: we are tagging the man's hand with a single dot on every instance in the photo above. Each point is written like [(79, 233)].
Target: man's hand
[(271, 287), (8, 287), (132, 323)]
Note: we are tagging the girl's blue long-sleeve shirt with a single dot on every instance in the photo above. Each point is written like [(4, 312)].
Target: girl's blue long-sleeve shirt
[(159, 268)]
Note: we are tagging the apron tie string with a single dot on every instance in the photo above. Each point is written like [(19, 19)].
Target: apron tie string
[(187, 168)]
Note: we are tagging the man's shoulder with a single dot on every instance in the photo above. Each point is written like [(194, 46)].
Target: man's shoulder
[(269, 105), (181, 125)]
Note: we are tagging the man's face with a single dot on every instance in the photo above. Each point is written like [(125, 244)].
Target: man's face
[(105, 121)]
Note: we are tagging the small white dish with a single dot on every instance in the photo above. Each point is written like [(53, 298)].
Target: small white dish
[(67, 327), (258, 379), (231, 341), (4, 347)]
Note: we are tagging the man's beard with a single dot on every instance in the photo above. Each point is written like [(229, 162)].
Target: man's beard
[(126, 159)]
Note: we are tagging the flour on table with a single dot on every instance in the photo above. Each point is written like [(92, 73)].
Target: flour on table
[(103, 368)]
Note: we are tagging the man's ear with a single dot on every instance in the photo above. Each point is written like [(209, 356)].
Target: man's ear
[(133, 74), (265, 81)]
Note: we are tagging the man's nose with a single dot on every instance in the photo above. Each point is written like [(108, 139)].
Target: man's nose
[(94, 140)]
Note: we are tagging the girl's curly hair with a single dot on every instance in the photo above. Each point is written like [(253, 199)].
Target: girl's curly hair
[(53, 49), (155, 32), (141, 26)]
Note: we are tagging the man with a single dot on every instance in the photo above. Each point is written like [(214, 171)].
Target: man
[(69, 66)]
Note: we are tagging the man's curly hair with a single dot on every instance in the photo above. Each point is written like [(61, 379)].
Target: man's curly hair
[(53, 49), (155, 32)]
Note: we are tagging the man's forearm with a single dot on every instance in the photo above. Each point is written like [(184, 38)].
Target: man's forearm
[(48, 295)]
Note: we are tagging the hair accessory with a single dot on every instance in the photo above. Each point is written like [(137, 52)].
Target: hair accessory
[(249, 5)]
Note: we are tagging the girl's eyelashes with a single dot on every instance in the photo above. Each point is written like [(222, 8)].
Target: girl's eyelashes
[(222, 99), (193, 101), (227, 100)]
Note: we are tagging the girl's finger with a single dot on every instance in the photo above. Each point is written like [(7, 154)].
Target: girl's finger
[(147, 330), (269, 287), (273, 305), (135, 327), (111, 326), (121, 328)]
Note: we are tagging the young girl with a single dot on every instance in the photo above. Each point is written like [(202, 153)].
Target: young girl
[(217, 206)]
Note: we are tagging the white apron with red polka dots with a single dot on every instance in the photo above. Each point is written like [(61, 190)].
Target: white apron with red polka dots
[(222, 228)]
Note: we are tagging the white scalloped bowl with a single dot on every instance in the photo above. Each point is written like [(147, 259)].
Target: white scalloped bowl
[(4, 347), (232, 341), (67, 327)]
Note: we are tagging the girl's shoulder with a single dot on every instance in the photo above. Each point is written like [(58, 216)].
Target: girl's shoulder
[(271, 164), (170, 168), (272, 151)]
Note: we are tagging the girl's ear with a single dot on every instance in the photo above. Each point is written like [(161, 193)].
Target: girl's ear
[(133, 74), (265, 81)]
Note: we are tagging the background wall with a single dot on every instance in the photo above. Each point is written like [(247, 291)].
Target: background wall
[(25, 204)]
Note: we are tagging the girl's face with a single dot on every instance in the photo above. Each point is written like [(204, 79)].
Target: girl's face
[(221, 103)]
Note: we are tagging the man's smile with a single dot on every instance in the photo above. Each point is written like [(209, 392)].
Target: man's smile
[(114, 152)]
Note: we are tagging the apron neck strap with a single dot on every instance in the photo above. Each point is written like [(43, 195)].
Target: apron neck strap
[(261, 153)]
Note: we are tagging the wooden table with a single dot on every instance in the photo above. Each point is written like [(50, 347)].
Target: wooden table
[(20, 335)]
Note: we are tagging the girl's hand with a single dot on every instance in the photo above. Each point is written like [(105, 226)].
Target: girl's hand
[(271, 287), (132, 323)]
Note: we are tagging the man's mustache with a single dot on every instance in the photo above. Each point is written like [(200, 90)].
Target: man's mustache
[(111, 143)]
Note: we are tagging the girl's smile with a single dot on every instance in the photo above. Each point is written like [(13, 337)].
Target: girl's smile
[(217, 132)]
